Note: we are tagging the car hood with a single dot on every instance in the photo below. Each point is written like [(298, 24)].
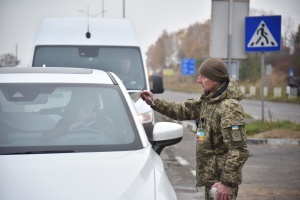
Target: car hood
[(105, 175)]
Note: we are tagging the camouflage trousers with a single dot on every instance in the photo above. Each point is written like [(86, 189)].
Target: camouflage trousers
[(233, 193)]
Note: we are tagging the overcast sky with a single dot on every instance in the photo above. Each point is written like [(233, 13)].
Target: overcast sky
[(20, 18)]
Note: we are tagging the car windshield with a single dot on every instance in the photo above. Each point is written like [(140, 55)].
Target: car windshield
[(126, 62), (66, 118)]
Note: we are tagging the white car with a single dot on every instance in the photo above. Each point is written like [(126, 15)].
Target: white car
[(48, 152), (98, 43)]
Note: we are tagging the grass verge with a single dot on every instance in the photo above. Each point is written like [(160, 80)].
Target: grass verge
[(283, 127)]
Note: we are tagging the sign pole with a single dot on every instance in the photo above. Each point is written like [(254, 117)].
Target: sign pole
[(262, 34), (229, 34), (262, 85)]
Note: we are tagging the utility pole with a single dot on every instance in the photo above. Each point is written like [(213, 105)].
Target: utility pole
[(123, 8), (95, 15), (16, 51), (103, 9), (16, 63), (229, 47)]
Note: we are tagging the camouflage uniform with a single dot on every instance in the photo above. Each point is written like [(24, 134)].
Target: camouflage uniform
[(223, 151)]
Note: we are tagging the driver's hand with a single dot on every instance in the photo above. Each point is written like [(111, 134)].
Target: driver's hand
[(76, 125)]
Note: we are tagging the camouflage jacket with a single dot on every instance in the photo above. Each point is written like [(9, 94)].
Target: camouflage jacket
[(223, 151)]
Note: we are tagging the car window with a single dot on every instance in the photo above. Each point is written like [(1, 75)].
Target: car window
[(65, 116), (97, 57)]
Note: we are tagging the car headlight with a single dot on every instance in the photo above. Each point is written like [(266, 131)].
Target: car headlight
[(146, 117)]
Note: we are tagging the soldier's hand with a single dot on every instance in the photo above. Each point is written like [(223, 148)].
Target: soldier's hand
[(223, 191), (147, 96)]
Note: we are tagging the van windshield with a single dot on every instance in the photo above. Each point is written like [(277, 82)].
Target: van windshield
[(126, 62)]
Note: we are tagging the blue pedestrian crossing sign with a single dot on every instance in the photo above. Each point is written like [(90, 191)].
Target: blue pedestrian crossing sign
[(188, 66), (263, 33), (291, 72)]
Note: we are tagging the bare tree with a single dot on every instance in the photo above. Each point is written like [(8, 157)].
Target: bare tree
[(159, 54), (168, 50), (287, 27), (195, 44), (8, 60)]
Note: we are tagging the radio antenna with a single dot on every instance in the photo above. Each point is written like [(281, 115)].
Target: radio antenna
[(88, 34)]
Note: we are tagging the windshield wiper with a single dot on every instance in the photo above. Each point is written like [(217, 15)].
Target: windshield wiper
[(41, 152)]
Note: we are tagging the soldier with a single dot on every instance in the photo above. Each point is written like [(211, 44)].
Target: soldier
[(221, 149)]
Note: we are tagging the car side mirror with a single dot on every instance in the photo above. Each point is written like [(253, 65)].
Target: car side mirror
[(166, 134), (158, 86)]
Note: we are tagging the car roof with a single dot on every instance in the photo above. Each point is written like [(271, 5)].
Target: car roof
[(72, 31), (54, 75)]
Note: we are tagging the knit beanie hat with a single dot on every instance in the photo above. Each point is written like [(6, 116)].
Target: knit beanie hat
[(214, 69)]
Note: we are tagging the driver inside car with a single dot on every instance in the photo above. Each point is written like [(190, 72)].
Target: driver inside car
[(79, 113), (129, 74), (124, 73)]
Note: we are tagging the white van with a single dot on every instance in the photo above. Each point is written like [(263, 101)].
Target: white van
[(98, 43)]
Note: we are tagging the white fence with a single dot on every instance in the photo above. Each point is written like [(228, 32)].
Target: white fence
[(277, 91)]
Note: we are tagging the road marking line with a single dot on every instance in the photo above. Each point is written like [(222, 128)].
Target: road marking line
[(255, 117), (193, 172), (181, 160)]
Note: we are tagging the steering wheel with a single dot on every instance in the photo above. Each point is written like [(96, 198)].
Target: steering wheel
[(80, 134), (127, 80), (88, 130), (108, 127)]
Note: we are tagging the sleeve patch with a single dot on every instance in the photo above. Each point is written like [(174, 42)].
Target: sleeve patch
[(236, 134)]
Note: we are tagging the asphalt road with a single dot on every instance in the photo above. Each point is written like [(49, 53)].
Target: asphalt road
[(272, 110), (272, 171)]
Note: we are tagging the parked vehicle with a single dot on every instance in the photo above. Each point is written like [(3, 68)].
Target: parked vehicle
[(72, 133), (97, 43), (294, 83)]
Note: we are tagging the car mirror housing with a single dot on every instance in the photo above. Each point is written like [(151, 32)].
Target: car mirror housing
[(158, 86), (166, 134)]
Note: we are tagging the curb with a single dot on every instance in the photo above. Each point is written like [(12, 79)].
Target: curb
[(270, 141), (274, 141)]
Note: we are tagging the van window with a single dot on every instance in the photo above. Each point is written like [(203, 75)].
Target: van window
[(126, 62)]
